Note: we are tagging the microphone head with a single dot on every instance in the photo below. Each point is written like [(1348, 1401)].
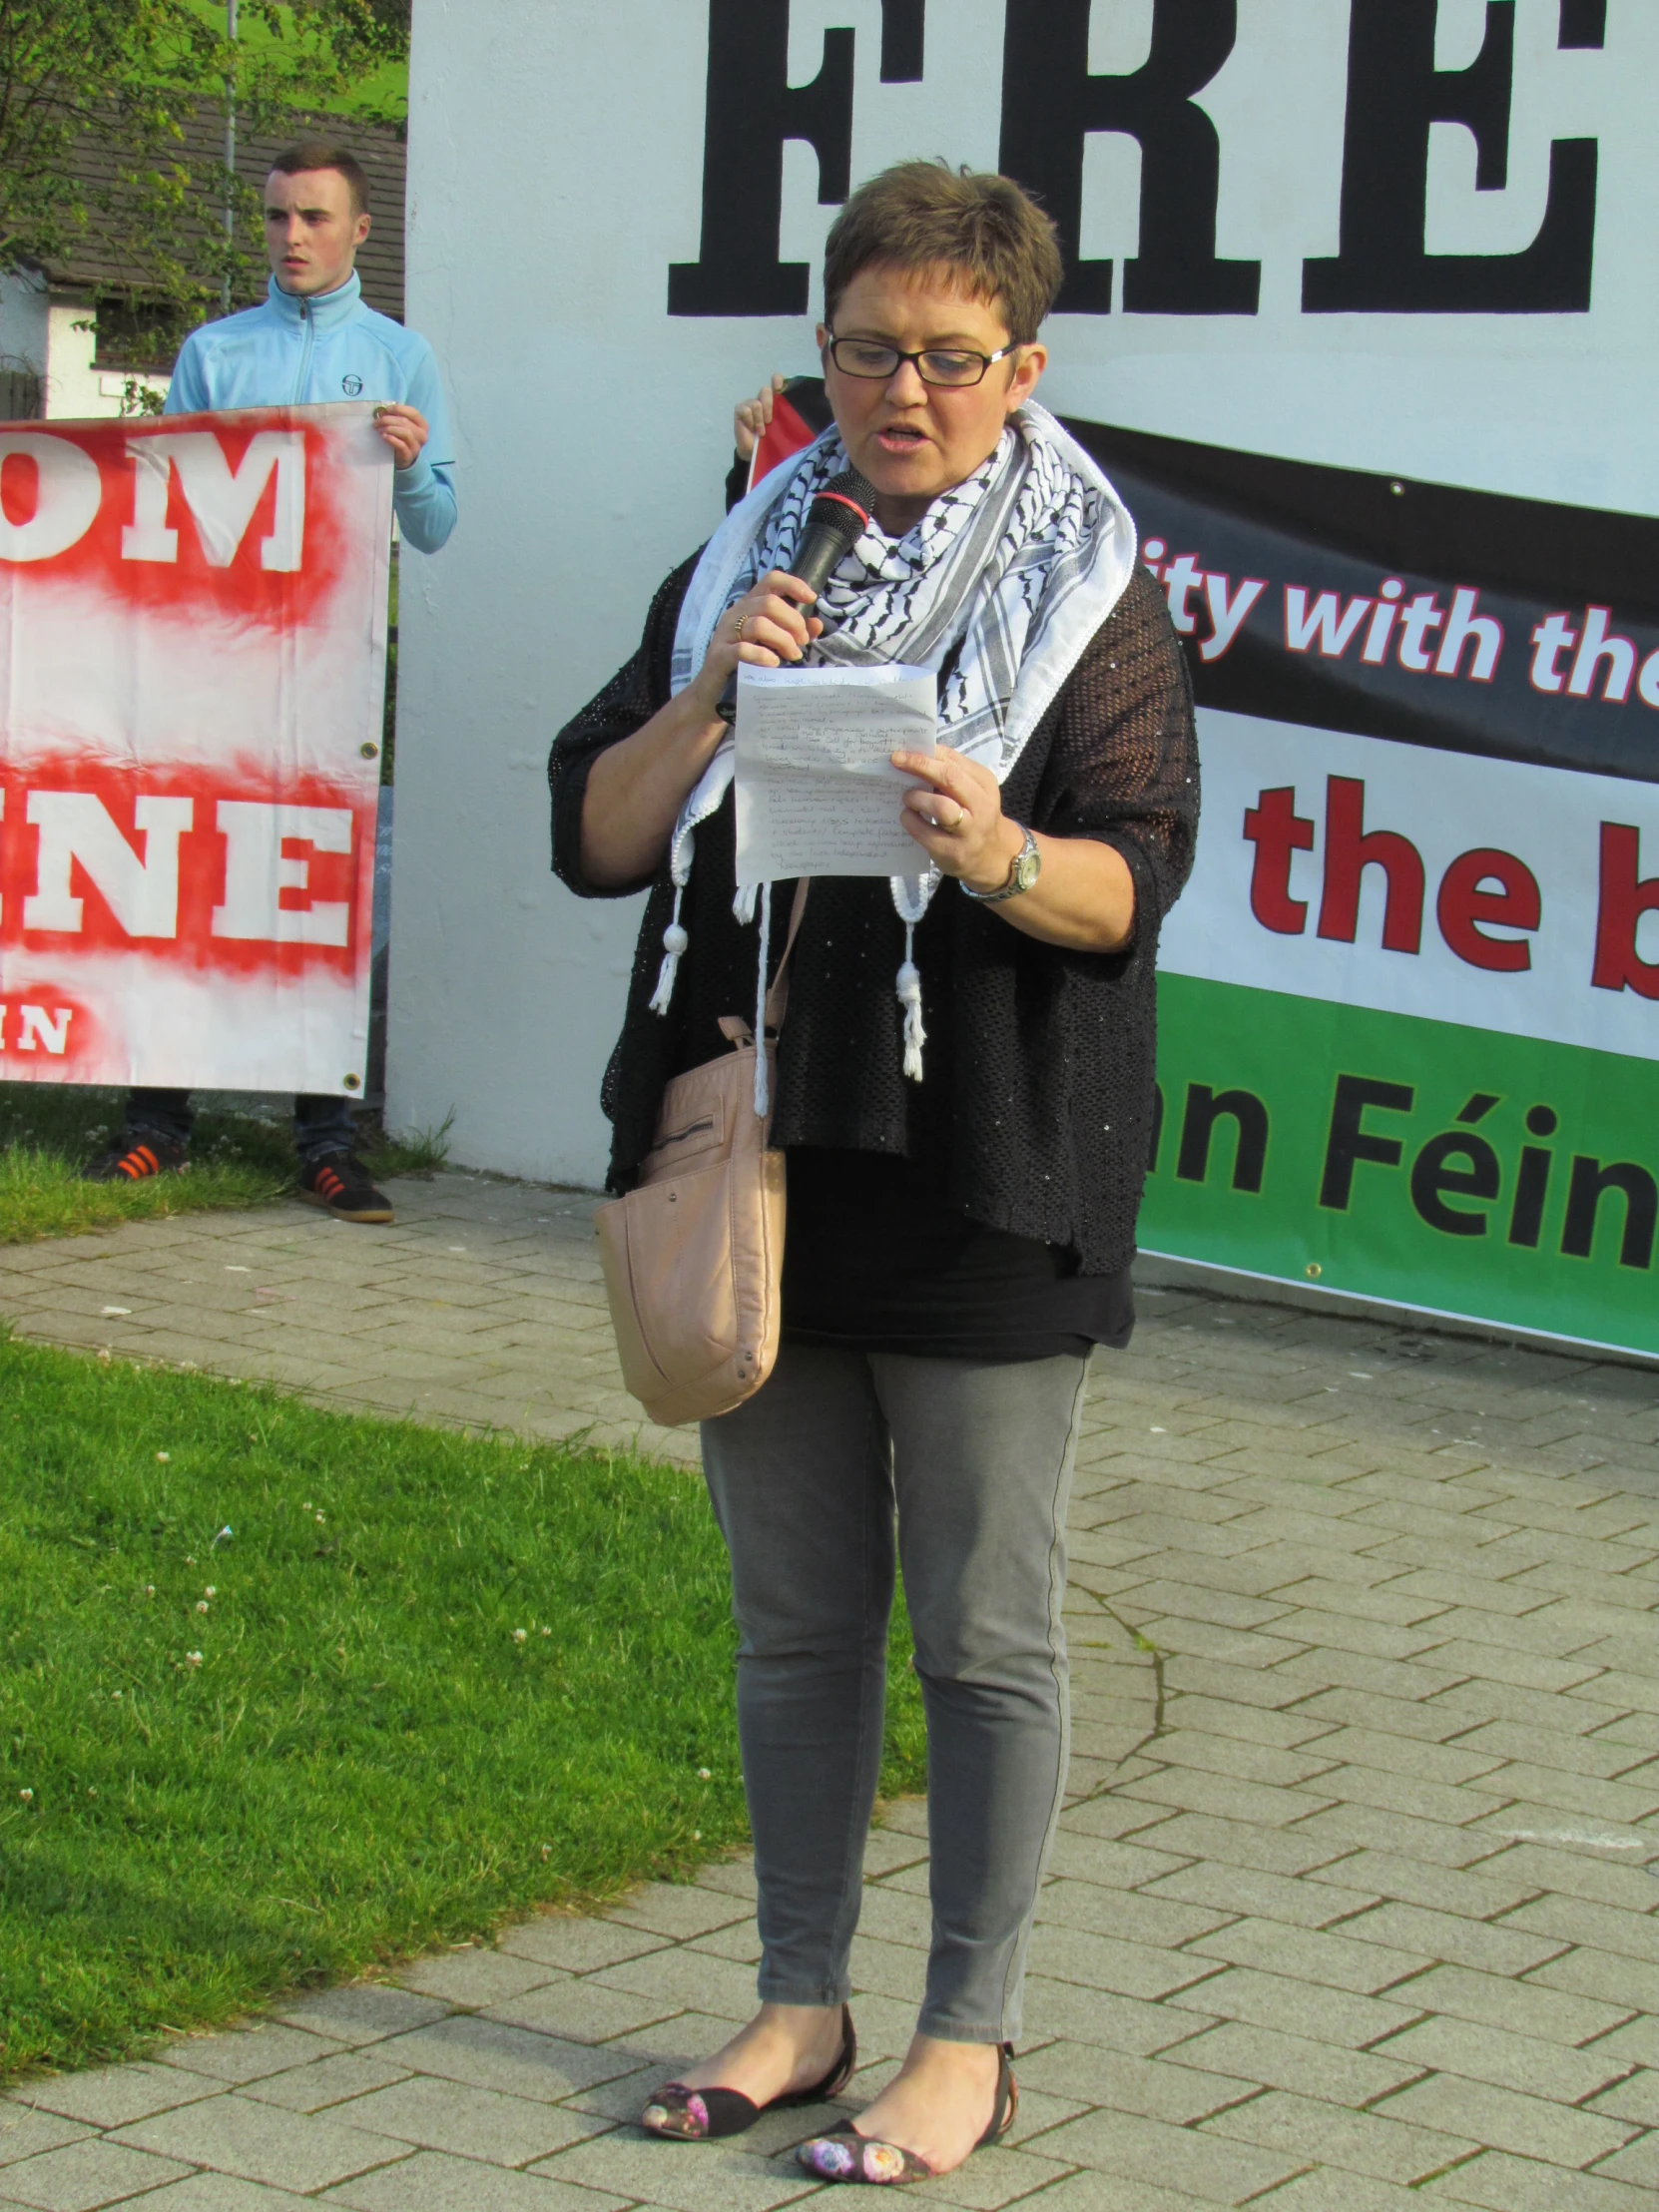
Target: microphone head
[(835, 522), (844, 506)]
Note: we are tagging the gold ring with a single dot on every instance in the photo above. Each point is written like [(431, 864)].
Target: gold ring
[(742, 623)]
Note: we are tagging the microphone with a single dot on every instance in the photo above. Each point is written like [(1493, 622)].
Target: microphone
[(837, 519)]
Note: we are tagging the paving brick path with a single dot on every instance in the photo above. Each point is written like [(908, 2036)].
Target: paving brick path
[(1354, 1905)]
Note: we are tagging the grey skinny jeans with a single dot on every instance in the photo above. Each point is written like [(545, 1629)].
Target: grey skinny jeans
[(976, 1458)]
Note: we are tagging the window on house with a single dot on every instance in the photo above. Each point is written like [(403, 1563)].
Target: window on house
[(136, 337)]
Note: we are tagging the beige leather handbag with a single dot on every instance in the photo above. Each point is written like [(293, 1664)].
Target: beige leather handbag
[(694, 1255)]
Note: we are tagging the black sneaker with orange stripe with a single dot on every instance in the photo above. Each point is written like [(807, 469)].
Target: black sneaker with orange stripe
[(340, 1184), (136, 1158)]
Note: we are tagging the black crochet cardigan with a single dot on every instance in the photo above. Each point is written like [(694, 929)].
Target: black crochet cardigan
[(1036, 1113)]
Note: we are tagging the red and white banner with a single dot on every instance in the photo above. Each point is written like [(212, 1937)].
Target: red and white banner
[(1496, 894), (193, 636)]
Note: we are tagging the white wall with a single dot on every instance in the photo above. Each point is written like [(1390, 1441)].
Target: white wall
[(586, 471), (556, 161)]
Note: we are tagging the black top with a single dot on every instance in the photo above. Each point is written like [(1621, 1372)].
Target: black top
[(1035, 1114), (875, 1259)]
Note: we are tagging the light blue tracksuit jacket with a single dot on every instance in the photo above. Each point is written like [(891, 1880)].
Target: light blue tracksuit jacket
[(293, 353)]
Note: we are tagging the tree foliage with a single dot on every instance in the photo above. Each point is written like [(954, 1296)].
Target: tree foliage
[(95, 100)]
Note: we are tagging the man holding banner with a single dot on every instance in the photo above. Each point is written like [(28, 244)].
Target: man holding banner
[(313, 340)]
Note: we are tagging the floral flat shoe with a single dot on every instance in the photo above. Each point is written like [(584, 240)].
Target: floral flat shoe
[(846, 2155), (684, 2115)]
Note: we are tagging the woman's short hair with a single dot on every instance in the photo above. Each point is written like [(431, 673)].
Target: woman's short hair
[(984, 229), (315, 152)]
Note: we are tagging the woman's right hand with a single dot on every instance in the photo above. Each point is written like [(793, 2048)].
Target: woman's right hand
[(636, 786), (768, 627)]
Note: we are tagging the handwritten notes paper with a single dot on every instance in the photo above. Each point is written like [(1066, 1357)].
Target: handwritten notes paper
[(816, 793)]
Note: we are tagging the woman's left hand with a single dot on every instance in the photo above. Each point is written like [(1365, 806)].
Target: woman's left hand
[(957, 817)]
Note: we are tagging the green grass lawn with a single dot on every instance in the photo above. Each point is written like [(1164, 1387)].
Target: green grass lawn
[(419, 1683), (384, 94), (49, 1130)]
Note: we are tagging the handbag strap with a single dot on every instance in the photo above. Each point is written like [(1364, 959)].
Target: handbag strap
[(777, 997), (736, 1027)]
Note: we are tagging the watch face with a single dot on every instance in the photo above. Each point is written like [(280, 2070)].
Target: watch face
[(1027, 869)]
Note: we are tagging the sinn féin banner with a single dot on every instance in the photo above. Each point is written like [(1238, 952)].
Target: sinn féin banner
[(1408, 1007), (193, 631)]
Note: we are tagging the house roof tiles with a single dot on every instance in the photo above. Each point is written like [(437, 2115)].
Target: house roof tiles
[(378, 147)]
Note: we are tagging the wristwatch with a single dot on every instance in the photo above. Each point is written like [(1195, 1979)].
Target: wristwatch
[(1023, 873)]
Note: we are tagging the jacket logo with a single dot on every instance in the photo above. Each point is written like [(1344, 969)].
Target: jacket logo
[(351, 386)]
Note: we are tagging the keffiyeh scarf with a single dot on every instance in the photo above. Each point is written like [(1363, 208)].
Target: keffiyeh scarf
[(1002, 584)]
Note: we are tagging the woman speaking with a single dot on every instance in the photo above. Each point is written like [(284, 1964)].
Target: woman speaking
[(965, 1162)]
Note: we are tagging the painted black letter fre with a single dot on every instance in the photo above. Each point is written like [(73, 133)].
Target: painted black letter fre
[(1050, 104), (751, 109), (1394, 97)]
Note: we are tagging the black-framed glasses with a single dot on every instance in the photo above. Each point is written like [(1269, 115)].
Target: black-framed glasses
[(951, 365)]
